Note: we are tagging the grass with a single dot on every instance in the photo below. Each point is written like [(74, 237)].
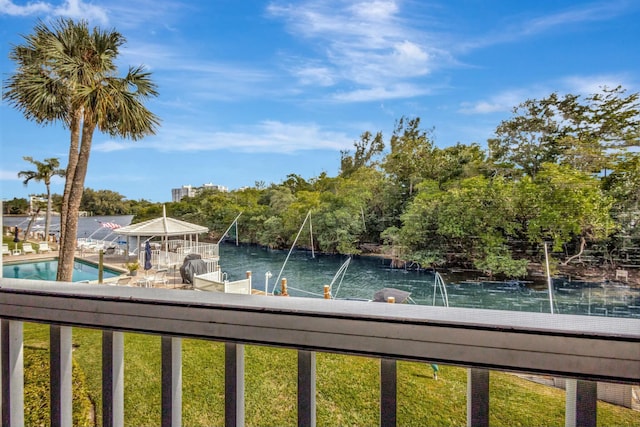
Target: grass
[(36, 384), (13, 245), (347, 388)]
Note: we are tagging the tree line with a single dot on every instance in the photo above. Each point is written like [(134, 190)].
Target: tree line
[(93, 202), (561, 170), (564, 170)]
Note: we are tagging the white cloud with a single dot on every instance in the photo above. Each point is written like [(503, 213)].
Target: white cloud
[(196, 77), (315, 75), (150, 15), (8, 8), (398, 91), (367, 43), (588, 85), (482, 107), (578, 85), (75, 9), (580, 14), (374, 10), (563, 21), (501, 102), (411, 57), (267, 136)]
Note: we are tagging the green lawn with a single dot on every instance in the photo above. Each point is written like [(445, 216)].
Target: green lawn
[(347, 388)]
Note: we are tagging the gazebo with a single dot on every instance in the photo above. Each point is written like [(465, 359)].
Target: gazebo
[(165, 228)]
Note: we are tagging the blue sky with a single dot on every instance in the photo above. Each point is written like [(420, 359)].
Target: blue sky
[(255, 90)]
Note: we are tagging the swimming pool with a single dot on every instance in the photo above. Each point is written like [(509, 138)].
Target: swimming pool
[(47, 269)]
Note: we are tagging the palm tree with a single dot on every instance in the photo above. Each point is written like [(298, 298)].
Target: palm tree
[(67, 74), (44, 172)]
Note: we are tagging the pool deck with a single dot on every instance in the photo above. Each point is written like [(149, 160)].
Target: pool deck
[(114, 262)]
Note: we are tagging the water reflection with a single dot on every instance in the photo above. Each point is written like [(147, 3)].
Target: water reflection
[(306, 277)]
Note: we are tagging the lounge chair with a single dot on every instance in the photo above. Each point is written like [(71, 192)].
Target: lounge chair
[(160, 277), (43, 247), (27, 248), (123, 281), (95, 247), (5, 249)]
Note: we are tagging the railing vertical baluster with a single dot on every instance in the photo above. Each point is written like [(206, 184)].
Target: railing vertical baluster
[(112, 379), (388, 392), (581, 403), (60, 367), (171, 382), (233, 385), (306, 388), (12, 373), (477, 397)]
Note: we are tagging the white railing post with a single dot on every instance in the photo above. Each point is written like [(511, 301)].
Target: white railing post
[(477, 397), (233, 385), (171, 382), (60, 368), (581, 403), (112, 379), (12, 373), (388, 392), (306, 388)]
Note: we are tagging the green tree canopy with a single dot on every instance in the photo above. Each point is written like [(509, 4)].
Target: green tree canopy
[(569, 205), (67, 73), (365, 154), (44, 172), (586, 134)]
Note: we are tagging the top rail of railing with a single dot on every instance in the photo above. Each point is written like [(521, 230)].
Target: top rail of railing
[(582, 347)]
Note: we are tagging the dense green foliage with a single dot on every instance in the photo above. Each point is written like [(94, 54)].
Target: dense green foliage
[(562, 170)]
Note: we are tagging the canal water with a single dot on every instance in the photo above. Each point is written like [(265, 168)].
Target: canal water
[(87, 226), (308, 273)]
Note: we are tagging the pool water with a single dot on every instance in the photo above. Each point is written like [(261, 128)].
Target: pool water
[(47, 269)]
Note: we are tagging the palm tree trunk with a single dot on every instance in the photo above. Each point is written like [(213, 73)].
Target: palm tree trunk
[(28, 229), (76, 118), (67, 254), (47, 220)]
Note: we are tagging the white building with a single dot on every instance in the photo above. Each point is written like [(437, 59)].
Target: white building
[(189, 191), (35, 202), (211, 186), (185, 191)]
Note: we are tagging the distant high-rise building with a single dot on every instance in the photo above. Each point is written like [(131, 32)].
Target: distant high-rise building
[(189, 191), (35, 202), (185, 191), (211, 186)]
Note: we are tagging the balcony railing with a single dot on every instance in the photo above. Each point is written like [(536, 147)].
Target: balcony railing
[(582, 349)]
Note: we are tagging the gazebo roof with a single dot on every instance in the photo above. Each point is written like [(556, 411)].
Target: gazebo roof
[(162, 226)]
